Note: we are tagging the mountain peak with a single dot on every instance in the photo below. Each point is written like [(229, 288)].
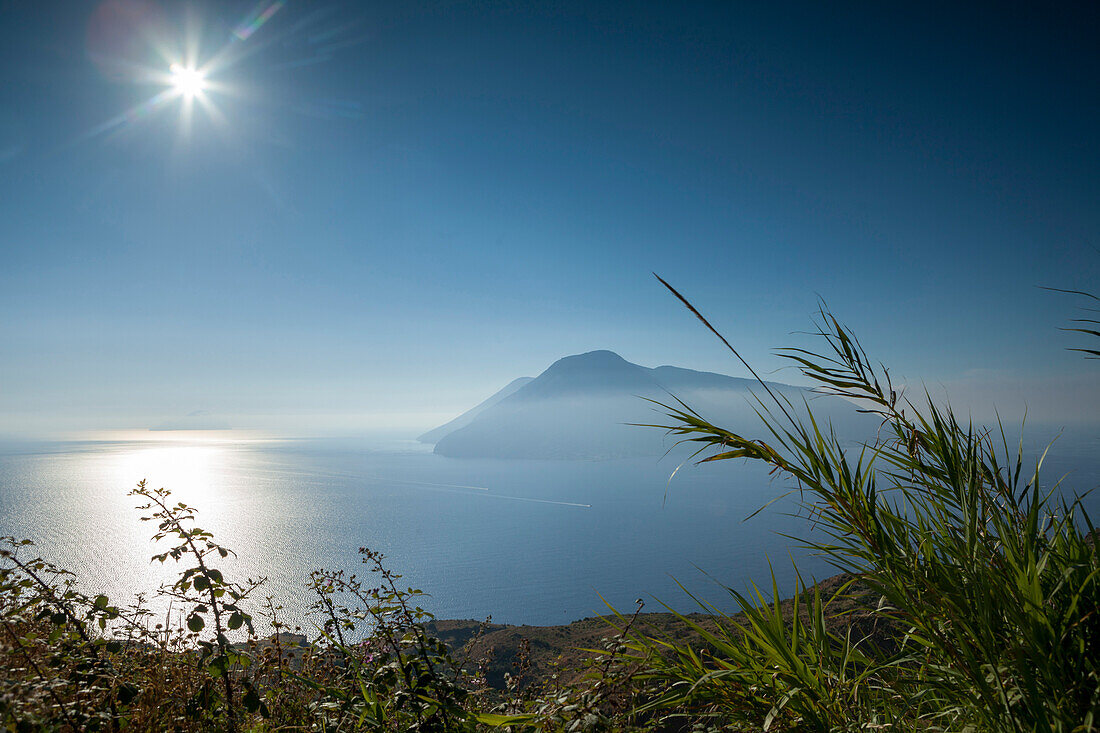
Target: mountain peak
[(591, 359), (583, 373)]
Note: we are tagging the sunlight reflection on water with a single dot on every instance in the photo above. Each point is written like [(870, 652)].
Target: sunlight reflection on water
[(75, 504)]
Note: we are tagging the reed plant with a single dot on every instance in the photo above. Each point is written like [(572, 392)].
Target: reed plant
[(986, 582)]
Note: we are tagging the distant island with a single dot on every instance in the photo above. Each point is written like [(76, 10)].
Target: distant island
[(197, 420), (582, 407)]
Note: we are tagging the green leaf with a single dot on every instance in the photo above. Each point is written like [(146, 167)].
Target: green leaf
[(195, 622), (498, 721), (251, 700), (218, 665)]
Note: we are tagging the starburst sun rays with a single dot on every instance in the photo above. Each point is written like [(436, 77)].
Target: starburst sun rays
[(183, 80)]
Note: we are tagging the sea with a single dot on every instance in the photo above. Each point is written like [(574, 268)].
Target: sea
[(520, 541)]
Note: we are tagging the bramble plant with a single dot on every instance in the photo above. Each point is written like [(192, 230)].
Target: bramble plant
[(206, 591), (51, 628), (404, 679)]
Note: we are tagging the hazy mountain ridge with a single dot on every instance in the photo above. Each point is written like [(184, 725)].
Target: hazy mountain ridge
[(582, 407), (467, 417)]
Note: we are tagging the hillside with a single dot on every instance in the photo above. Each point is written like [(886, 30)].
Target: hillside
[(537, 652)]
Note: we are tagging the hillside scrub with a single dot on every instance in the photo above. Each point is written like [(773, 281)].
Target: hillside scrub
[(969, 601), (72, 661)]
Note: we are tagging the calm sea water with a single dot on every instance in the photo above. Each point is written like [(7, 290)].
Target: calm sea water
[(536, 542)]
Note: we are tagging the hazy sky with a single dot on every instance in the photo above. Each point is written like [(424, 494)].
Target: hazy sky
[(381, 210)]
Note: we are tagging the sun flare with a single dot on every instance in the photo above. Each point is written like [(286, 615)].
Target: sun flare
[(186, 81)]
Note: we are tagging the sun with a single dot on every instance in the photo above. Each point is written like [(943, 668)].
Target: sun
[(187, 82), (193, 82)]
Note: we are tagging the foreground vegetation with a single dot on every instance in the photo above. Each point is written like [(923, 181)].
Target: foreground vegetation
[(970, 602)]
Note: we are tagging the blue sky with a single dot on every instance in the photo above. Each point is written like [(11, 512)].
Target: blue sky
[(397, 208)]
